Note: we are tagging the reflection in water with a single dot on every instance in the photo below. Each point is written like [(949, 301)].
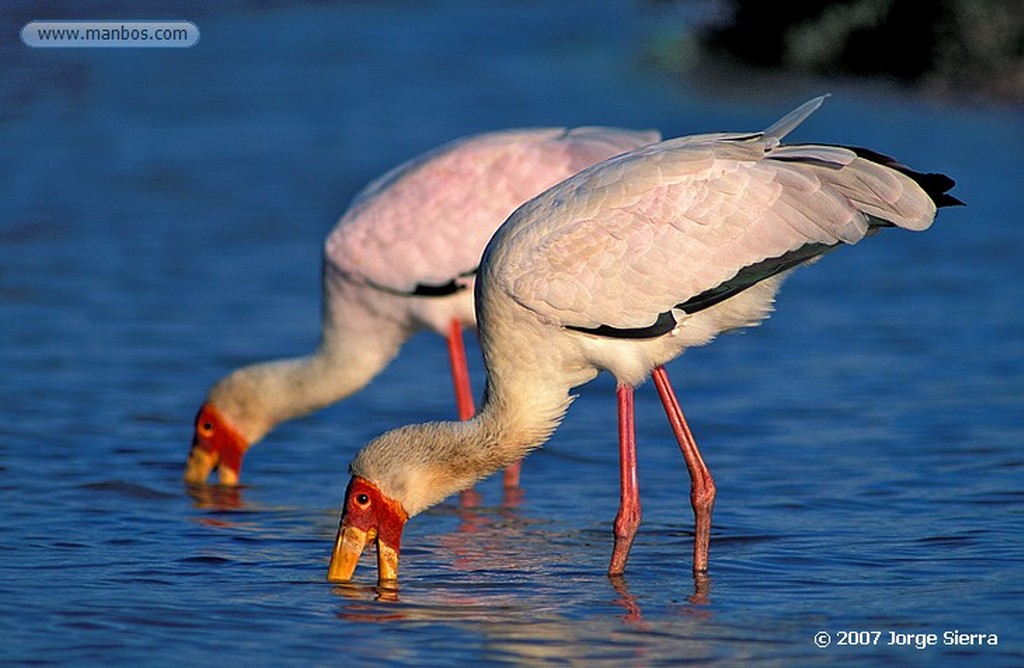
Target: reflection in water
[(522, 623), (698, 600), (488, 538), (512, 497), (217, 497), (627, 600), (366, 597)]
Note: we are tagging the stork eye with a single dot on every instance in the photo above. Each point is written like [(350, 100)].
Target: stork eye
[(363, 500)]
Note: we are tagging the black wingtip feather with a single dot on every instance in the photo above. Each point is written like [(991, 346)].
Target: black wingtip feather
[(937, 186)]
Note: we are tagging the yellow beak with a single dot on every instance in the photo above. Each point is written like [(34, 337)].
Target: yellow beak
[(201, 463), (348, 547)]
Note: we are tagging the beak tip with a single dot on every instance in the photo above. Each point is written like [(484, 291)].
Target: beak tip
[(341, 570), (227, 476), (198, 466)]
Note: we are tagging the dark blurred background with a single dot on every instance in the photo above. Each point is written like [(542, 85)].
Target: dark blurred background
[(960, 48)]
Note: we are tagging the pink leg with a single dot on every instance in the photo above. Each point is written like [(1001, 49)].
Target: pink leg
[(628, 518), (702, 486), (464, 390), (460, 371), (510, 478)]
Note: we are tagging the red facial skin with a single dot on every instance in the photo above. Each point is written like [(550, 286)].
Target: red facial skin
[(215, 445), (367, 515)]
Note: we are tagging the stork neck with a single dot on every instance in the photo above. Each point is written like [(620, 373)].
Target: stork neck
[(294, 387), (421, 465), (521, 415), (260, 396)]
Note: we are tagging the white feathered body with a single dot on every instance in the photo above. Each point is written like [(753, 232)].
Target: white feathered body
[(636, 236)]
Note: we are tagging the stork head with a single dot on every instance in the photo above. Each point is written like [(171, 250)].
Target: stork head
[(368, 515), (216, 444)]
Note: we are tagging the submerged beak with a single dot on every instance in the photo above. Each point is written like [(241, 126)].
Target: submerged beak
[(202, 462), (368, 516), (349, 546), (199, 465)]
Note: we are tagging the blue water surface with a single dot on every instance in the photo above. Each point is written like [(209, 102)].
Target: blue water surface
[(163, 213)]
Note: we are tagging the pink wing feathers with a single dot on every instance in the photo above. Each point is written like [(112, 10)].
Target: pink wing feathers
[(685, 224), (426, 222)]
